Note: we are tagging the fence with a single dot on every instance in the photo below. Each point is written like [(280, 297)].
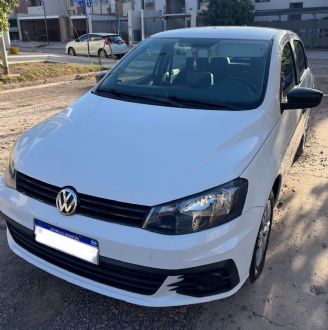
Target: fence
[(311, 24)]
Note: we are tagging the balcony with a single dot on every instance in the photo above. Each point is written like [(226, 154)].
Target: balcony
[(35, 11), (103, 9)]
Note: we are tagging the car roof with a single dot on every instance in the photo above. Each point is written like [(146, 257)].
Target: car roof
[(105, 34), (233, 32)]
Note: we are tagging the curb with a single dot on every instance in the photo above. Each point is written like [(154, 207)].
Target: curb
[(46, 82)]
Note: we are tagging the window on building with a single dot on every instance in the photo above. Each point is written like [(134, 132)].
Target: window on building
[(13, 22), (288, 74), (295, 5), (300, 56), (35, 3)]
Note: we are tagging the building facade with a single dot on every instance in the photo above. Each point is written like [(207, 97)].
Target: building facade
[(285, 10), (66, 19), (308, 18), (285, 4), (62, 20)]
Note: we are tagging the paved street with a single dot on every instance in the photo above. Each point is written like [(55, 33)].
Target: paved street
[(291, 294)]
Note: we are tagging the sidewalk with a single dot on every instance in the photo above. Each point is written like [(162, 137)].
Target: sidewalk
[(59, 58), (40, 47), (317, 54)]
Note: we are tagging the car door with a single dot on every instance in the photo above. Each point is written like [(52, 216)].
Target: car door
[(96, 43), (290, 119), (81, 47)]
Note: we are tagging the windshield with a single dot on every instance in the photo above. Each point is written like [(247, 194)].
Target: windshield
[(205, 73)]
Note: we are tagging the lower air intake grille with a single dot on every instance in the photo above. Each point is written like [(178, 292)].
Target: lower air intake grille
[(137, 279)]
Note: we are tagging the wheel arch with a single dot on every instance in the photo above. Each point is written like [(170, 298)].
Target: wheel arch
[(70, 47), (102, 49), (276, 188)]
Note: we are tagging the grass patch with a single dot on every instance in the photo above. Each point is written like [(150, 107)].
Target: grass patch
[(23, 72)]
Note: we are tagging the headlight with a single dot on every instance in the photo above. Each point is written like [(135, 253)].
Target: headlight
[(208, 209), (10, 172)]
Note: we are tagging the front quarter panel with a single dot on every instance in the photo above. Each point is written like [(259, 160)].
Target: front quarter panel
[(265, 166)]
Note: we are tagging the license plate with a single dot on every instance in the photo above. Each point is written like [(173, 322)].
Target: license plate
[(65, 241)]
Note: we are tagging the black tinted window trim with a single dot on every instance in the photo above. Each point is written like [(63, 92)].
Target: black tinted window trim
[(300, 75)]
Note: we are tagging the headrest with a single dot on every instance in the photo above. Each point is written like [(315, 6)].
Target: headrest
[(219, 61), (200, 79)]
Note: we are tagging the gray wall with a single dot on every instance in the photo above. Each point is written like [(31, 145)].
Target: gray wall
[(56, 7)]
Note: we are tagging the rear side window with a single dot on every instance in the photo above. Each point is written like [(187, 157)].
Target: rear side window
[(300, 57), (288, 74), (116, 39)]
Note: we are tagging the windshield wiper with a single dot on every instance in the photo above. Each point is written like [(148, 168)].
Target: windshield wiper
[(157, 99), (203, 104), (171, 100)]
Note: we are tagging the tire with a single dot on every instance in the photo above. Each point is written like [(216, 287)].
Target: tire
[(102, 53), (71, 51), (262, 241)]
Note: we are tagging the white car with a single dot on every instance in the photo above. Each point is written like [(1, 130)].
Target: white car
[(158, 186), (100, 44)]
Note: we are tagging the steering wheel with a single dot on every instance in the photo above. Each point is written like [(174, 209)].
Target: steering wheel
[(249, 84)]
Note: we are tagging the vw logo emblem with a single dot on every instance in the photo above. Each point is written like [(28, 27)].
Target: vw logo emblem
[(66, 201)]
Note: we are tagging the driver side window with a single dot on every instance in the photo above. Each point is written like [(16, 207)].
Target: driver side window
[(288, 74), (84, 37)]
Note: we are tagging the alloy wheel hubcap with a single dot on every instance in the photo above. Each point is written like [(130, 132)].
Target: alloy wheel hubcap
[(263, 234)]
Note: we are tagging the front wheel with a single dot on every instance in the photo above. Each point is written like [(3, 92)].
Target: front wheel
[(262, 241), (71, 51)]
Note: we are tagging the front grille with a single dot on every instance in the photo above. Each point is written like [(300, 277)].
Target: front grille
[(137, 279), (94, 207)]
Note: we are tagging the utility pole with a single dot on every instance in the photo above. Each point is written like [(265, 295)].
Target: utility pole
[(45, 20), (3, 52), (87, 4), (142, 16)]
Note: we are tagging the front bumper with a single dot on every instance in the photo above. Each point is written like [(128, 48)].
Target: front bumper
[(171, 260)]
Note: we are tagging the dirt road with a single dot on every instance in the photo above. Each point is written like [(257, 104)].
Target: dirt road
[(292, 293)]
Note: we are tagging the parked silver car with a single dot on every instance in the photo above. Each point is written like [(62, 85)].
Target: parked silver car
[(100, 44)]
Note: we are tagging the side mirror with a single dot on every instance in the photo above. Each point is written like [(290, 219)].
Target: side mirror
[(77, 40), (100, 75), (302, 98)]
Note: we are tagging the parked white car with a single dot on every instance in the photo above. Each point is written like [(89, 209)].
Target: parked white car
[(158, 186), (100, 44)]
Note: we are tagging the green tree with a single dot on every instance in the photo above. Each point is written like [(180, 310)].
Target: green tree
[(229, 12), (5, 8)]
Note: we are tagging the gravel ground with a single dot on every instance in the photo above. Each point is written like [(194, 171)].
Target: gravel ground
[(292, 292)]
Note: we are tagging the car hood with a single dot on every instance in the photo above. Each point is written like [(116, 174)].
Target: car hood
[(137, 153), (70, 43)]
